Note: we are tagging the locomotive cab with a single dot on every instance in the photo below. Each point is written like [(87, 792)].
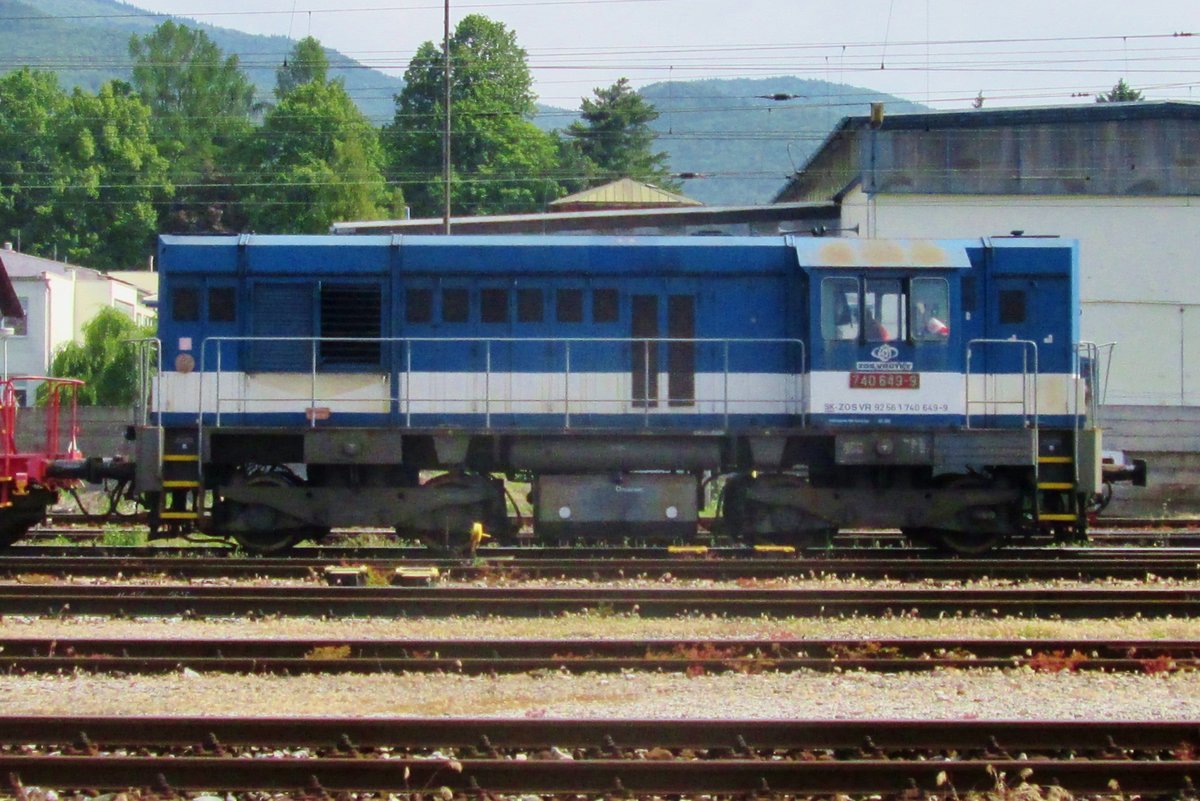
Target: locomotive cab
[(886, 344), (945, 398)]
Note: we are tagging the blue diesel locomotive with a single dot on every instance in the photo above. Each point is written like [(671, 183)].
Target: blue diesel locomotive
[(311, 382)]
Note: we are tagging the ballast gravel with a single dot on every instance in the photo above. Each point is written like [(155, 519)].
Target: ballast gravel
[(597, 626), (1017, 693), (989, 694)]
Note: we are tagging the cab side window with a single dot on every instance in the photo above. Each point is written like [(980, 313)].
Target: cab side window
[(929, 303), (839, 309)]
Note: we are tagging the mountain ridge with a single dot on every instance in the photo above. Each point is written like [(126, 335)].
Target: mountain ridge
[(742, 137)]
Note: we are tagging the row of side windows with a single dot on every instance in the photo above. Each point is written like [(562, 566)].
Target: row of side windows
[(495, 305), (455, 306), (222, 304)]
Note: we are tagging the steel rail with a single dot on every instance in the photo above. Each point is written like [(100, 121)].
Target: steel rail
[(519, 601), (20, 655), (300, 567), (481, 777), (620, 737)]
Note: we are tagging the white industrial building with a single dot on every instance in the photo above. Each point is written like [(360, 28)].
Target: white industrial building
[(1122, 178)]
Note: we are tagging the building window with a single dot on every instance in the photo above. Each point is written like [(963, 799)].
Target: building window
[(455, 305), (530, 306), (124, 308), (185, 305), (604, 306), (222, 304), (493, 305), (569, 303), (351, 312), (19, 325), (418, 306)]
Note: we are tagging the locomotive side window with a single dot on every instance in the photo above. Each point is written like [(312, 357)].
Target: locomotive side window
[(456, 305), (839, 309), (1012, 306), (569, 303), (604, 306), (222, 304), (418, 306), (883, 310), (493, 305), (968, 294), (530, 306), (929, 308), (351, 312), (185, 305)]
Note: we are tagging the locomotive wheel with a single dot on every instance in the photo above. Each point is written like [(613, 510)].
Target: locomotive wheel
[(451, 531), (967, 543), (262, 529), (963, 543)]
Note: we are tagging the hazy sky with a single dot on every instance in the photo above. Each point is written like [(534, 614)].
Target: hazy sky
[(943, 52)]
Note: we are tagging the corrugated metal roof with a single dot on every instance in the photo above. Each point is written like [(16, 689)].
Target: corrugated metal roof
[(834, 165), (626, 193)]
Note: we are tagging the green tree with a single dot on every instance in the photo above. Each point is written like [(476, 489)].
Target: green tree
[(615, 135), (107, 178), (306, 63), (105, 360), (1120, 93), (83, 176), (315, 160), (501, 162), (30, 104), (202, 106)]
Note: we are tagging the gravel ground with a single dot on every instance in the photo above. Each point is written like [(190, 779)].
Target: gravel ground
[(810, 580), (1008, 694), (600, 626), (999, 694)]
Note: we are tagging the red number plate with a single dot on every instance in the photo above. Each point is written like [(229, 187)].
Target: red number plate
[(885, 381)]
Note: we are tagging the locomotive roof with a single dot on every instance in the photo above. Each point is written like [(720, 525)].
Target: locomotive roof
[(810, 252)]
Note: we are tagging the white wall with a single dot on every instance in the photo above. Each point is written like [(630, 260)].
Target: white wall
[(1139, 271)]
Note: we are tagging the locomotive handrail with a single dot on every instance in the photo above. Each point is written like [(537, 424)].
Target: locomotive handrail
[(1026, 346), (141, 410), (405, 400)]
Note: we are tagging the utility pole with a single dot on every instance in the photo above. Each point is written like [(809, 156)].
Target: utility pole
[(446, 131)]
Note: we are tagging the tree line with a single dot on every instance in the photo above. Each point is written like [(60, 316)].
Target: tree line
[(185, 147)]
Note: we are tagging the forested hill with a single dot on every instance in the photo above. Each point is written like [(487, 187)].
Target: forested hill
[(87, 43), (736, 134), (743, 143)]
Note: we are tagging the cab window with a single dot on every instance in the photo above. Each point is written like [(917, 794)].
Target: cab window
[(929, 303), (884, 314), (839, 309)]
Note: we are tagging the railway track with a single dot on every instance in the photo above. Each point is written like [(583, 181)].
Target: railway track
[(620, 757), (26, 655), (1118, 565), (283, 600)]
